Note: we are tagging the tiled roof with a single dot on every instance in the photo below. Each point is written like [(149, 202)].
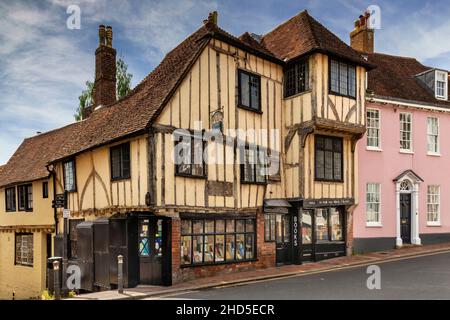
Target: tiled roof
[(134, 114), (29, 161), (394, 77), (303, 34)]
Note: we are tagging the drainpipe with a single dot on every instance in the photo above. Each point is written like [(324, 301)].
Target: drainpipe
[(55, 212)]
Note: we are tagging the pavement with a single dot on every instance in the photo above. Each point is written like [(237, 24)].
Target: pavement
[(341, 272)]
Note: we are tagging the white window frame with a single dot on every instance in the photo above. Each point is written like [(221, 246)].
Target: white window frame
[(411, 148), (430, 133), (445, 74), (379, 223), (374, 148), (438, 203)]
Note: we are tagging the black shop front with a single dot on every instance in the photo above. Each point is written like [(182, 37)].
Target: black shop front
[(307, 230)]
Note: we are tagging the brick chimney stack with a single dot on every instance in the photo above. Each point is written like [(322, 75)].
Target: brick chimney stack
[(105, 69), (362, 37)]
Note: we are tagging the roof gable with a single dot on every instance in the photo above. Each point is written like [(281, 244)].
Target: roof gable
[(303, 34)]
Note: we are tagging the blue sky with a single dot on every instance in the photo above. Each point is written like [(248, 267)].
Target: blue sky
[(44, 65)]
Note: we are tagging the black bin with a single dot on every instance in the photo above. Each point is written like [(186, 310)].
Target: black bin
[(51, 273), (85, 259), (123, 241), (101, 254)]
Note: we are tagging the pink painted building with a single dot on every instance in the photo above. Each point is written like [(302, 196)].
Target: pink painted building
[(404, 158)]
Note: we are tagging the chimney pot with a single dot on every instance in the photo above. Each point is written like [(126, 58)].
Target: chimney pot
[(109, 36), (101, 35)]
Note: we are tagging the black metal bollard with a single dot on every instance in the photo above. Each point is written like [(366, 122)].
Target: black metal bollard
[(120, 273), (57, 285)]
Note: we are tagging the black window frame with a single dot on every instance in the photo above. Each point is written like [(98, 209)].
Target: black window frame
[(8, 202), (72, 238), (74, 170), (292, 85), (316, 149), (329, 226), (225, 233), (21, 263), (348, 67), (45, 190), (179, 137), (23, 194), (270, 226), (240, 104), (257, 149), (124, 149)]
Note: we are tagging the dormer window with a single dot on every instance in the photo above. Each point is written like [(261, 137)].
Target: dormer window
[(441, 85), (436, 81)]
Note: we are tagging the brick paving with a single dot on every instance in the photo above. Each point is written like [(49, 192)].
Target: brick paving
[(144, 291)]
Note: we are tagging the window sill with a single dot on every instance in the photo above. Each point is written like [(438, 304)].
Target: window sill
[(433, 154), (24, 265), (329, 181), (181, 175), (298, 94), (406, 152), (120, 179), (254, 183), (341, 95), (374, 225), (434, 224), (374, 149), (249, 109)]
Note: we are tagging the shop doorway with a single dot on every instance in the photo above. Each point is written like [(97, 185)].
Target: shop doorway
[(150, 232), (283, 238)]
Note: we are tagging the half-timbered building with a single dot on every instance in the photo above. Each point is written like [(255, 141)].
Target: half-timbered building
[(234, 153)]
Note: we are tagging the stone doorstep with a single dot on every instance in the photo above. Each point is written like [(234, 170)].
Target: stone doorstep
[(311, 268)]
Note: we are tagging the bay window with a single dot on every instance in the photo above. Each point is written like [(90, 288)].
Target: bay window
[(212, 241), (328, 158), (296, 78), (342, 78)]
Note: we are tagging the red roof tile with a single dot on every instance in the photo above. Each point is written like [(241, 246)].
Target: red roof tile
[(394, 77), (29, 161), (303, 34)]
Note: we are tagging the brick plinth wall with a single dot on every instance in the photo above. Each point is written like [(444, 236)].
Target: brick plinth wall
[(265, 256), (349, 231)]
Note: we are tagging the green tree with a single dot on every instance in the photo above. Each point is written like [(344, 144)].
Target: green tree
[(123, 88)]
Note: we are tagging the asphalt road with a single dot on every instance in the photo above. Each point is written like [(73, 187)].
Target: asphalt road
[(426, 277)]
